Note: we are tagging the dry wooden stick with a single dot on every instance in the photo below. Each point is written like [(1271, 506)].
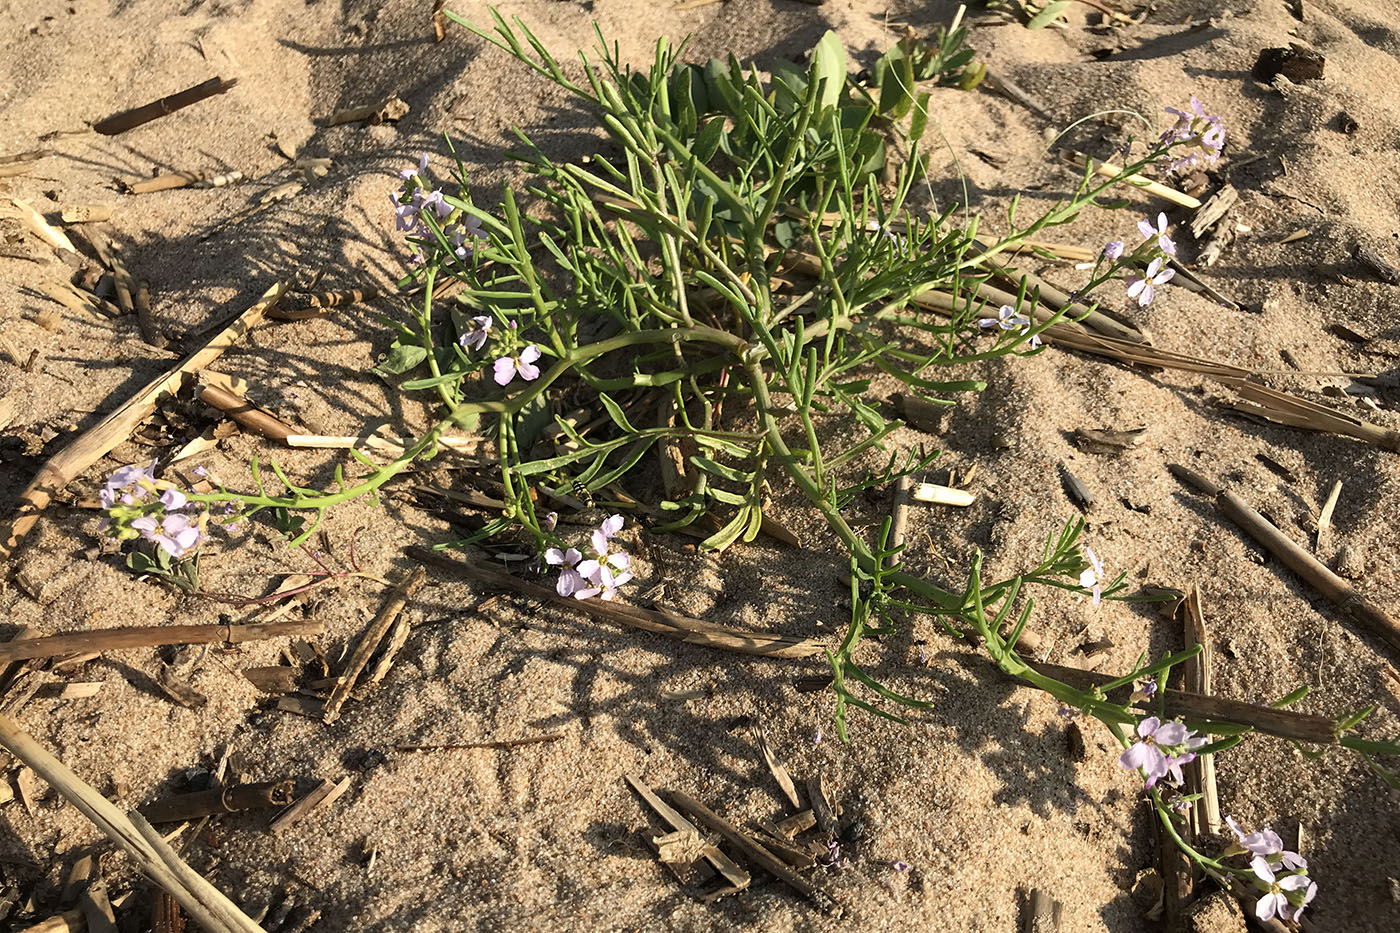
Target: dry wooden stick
[(1280, 722), (165, 182), (204, 903), (138, 116), (246, 413), (374, 634), (694, 631), (1324, 518), (1346, 597), (1200, 773), (326, 793), (100, 439), (1300, 413), (775, 767), (218, 801), (736, 876), (899, 523), (504, 743), (752, 850), (147, 636)]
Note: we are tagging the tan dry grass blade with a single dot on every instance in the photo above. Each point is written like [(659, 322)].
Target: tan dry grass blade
[(101, 438), (156, 860)]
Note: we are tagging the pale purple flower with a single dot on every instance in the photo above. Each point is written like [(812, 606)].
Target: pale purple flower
[(1092, 576), (900, 867), (409, 174), (508, 366), (131, 475), (407, 216), (570, 580), (1214, 136), (817, 739), (1006, 319), (475, 334), (435, 202), (1164, 242), (200, 471), (1147, 754), (1265, 842), (610, 527), (608, 569), (1035, 342), (1275, 902), (1113, 250), (550, 520), (173, 499), (176, 533), (1143, 288)]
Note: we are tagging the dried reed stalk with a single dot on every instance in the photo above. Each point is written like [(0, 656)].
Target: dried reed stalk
[(149, 636), (374, 634), (138, 116), (1200, 773), (298, 307), (693, 631), (1266, 719), (155, 859), (165, 182), (752, 850), (99, 440), (1109, 170), (246, 413), (218, 801), (1346, 597)]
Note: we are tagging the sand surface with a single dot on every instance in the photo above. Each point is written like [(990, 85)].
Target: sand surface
[(979, 795)]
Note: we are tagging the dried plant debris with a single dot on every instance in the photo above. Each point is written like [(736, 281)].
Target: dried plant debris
[(1297, 63), (1108, 441)]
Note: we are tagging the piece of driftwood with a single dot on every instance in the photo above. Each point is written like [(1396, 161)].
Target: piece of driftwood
[(1174, 868), (785, 850), (31, 218), (1284, 408), (325, 793), (752, 850), (1075, 488), (1042, 913), (246, 413), (99, 440), (503, 743), (775, 767), (737, 878), (147, 636), (201, 900), (374, 634), (138, 116), (1179, 703), (390, 111), (661, 621), (1345, 596), (85, 213), (218, 801), (1200, 773)]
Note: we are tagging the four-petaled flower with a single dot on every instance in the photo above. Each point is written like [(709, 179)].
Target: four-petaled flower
[(1143, 288), (1160, 232), (1006, 319), (475, 334), (438, 205), (1113, 249), (1147, 753), (1091, 578), (524, 364), (1276, 902), (173, 499), (570, 580), (409, 174), (175, 533), (609, 569)]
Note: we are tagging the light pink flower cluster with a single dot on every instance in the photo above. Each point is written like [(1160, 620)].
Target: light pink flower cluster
[(1161, 750), (1197, 137), (1284, 897), (139, 505), (599, 575)]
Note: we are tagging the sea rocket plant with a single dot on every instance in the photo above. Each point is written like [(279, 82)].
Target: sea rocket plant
[(1196, 138), (1162, 748)]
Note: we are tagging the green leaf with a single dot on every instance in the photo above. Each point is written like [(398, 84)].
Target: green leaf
[(720, 470), (896, 84), (707, 141), (400, 359), (616, 414), (729, 533), (829, 67), (919, 121), (1048, 15)]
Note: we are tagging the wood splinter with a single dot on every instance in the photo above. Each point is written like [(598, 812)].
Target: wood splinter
[(220, 800), (374, 634), (139, 116)]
